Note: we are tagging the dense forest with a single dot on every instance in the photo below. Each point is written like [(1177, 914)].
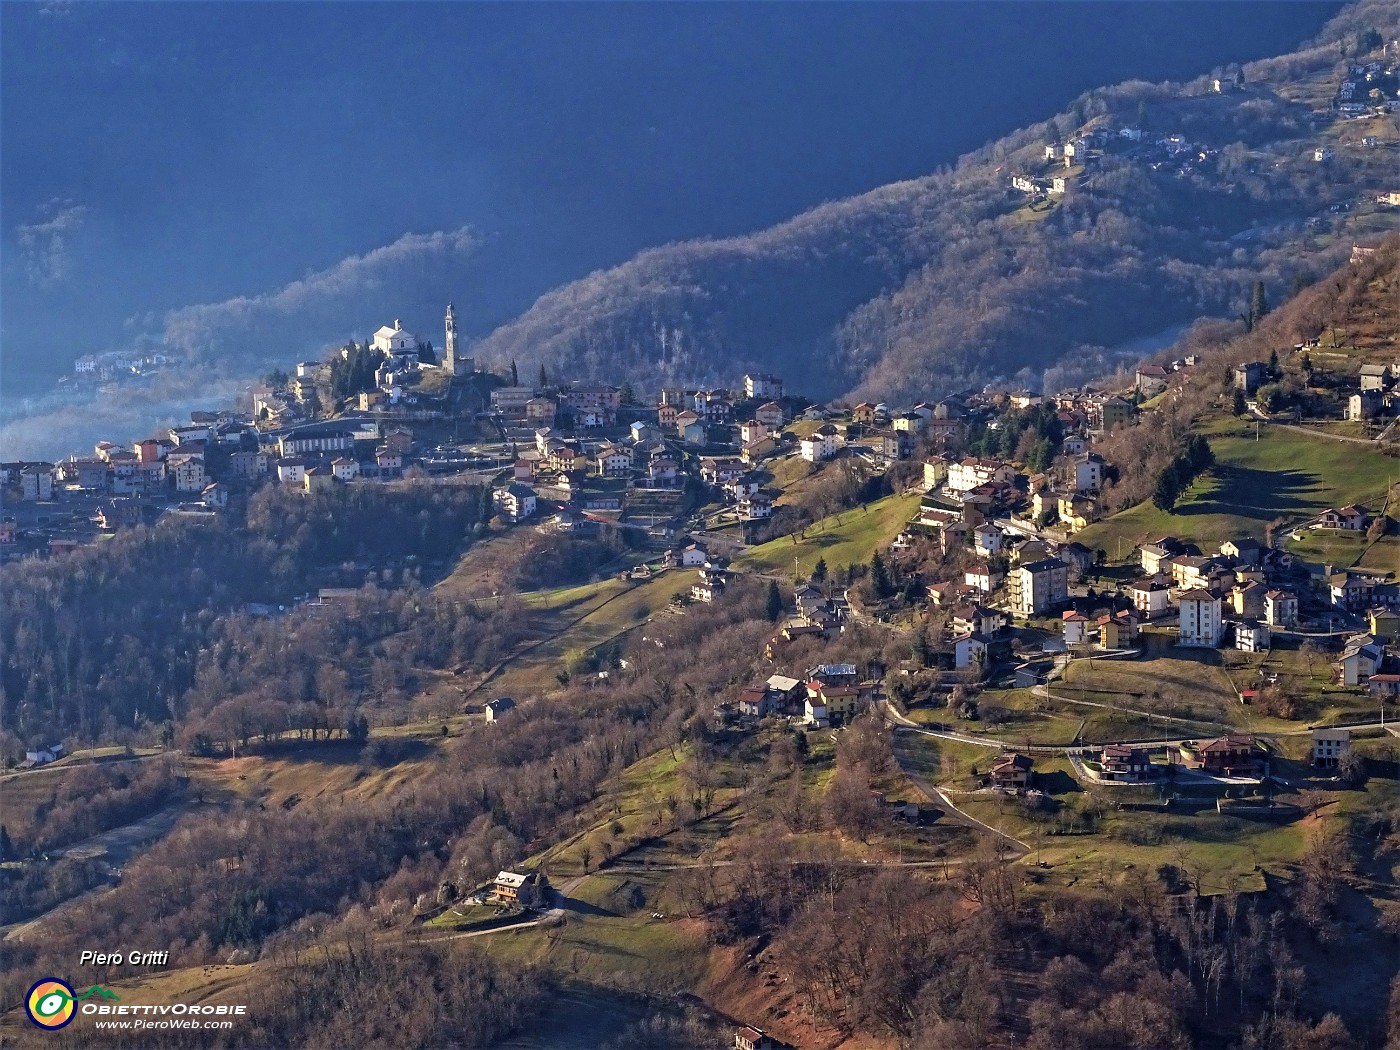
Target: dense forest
[(263, 881), (113, 637), (936, 283)]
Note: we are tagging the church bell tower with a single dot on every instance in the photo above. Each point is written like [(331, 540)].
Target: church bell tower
[(458, 366)]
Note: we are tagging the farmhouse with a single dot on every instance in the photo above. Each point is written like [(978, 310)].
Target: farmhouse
[(498, 708), (512, 887), (1328, 745), (1011, 771), (1125, 764)]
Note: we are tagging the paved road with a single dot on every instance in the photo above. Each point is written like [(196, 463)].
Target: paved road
[(117, 846), (1044, 692), (1317, 431), (79, 761)]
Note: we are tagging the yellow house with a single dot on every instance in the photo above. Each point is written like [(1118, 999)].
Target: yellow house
[(935, 472), (840, 700), (318, 479), (1078, 511), (1043, 501), (1385, 624)]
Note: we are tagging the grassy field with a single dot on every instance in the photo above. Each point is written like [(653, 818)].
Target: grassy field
[(1087, 843), (1327, 546), (477, 917), (848, 538), (578, 619), (631, 950), (1285, 474), (1383, 555), (296, 772), (1203, 684), (1181, 683)]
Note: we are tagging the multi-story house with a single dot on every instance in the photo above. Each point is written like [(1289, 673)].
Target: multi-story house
[(759, 385), (1039, 586), (514, 502), (1201, 623)]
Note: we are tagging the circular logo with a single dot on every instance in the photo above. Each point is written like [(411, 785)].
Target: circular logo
[(49, 1003)]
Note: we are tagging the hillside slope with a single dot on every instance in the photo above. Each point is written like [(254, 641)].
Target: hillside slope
[(950, 279), (1286, 466)]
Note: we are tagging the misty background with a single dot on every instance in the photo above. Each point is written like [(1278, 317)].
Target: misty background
[(255, 182)]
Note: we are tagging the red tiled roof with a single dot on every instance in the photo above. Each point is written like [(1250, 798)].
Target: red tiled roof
[(1228, 743)]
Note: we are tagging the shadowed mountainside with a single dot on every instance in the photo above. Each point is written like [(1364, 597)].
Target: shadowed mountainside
[(951, 279)]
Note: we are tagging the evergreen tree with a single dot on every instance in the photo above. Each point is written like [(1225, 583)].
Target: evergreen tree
[(1274, 371), (919, 647), (7, 848), (819, 571), (1258, 302), (1041, 455), (880, 584), (1167, 489), (773, 604), (1010, 435), (514, 374), (357, 728), (544, 378), (626, 395), (1199, 454), (1238, 407)]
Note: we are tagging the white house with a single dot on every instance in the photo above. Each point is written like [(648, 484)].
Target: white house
[(757, 385), (188, 471), (988, 539), (394, 340), (1150, 597), (345, 469), (756, 505), (693, 556), (1088, 472), (822, 444), (1251, 637), (982, 576), (614, 461), (514, 502), (1075, 626), (1201, 623), (1281, 609), (1359, 660), (968, 474), (291, 471), (1328, 746), (968, 651)]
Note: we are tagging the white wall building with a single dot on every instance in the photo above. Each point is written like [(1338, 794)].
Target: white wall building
[(1201, 623), (394, 340)]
